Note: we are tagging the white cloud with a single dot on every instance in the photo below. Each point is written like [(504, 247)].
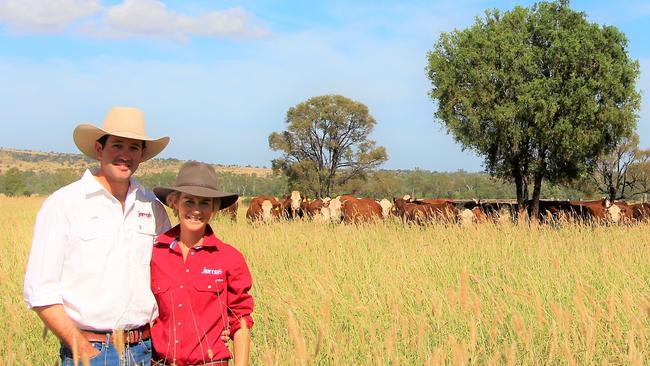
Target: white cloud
[(153, 19), (130, 18), (140, 17), (45, 16), (233, 21)]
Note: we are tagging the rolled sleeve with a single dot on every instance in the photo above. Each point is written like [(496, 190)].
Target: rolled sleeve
[(44, 267), (240, 302)]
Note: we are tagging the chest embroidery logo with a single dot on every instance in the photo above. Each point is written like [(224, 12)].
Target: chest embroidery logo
[(210, 271), (144, 214)]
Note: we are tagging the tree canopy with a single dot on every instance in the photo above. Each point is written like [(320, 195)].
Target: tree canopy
[(540, 92), (326, 144)]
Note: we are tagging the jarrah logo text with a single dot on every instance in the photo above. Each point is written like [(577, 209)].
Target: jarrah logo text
[(211, 271)]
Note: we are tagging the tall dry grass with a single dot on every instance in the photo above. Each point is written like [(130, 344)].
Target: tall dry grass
[(393, 294)]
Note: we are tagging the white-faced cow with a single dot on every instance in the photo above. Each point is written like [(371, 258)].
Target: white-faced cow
[(291, 205), (264, 208)]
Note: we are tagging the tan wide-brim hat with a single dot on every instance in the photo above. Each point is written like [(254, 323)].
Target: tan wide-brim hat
[(123, 122), (197, 179)]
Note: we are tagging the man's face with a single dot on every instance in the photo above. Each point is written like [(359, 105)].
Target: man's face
[(119, 158)]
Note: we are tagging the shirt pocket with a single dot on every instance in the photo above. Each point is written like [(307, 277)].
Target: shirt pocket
[(210, 294), (163, 296), (143, 240), (214, 284), (90, 247)]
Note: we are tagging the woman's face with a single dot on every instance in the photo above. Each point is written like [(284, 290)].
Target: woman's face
[(194, 212)]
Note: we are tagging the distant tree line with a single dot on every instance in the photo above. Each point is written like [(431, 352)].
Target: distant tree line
[(377, 184)]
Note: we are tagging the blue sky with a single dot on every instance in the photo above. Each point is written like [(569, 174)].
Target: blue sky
[(219, 76)]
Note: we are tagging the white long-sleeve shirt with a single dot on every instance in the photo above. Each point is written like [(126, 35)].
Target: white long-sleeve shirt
[(93, 257)]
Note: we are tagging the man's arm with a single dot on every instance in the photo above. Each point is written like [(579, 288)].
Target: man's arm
[(55, 318)]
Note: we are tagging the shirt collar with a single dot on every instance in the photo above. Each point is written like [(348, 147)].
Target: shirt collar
[(91, 185), (171, 236)]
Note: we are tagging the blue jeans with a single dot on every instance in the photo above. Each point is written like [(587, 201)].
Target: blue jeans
[(138, 354)]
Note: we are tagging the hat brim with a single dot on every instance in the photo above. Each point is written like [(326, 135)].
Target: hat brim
[(85, 136), (226, 200)]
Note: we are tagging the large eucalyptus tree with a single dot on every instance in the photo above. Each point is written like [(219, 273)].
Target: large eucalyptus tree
[(540, 92), (326, 144)]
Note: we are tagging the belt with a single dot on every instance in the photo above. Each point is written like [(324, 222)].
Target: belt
[(223, 362), (128, 336)]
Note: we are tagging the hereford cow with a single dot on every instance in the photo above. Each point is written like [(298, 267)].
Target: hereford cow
[(422, 213), (230, 211), (624, 214), (551, 211), (357, 210), (434, 201), (264, 208), (597, 211), (471, 214), (317, 209), (386, 207), (291, 205), (334, 210), (640, 211)]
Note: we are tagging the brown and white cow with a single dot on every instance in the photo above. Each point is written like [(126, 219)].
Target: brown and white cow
[(386, 207), (358, 210), (313, 208), (230, 211), (291, 205), (468, 216), (333, 210), (422, 213), (597, 211), (264, 208), (624, 214), (640, 211)]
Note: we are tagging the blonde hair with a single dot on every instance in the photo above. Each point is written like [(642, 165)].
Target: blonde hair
[(174, 196)]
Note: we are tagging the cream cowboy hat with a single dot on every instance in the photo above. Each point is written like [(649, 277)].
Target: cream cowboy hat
[(197, 179), (123, 122)]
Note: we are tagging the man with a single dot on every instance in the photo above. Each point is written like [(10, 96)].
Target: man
[(88, 275)]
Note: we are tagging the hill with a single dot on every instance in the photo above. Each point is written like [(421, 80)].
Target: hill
[(38, 161)]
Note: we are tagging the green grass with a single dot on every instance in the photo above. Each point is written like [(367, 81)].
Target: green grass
[(400, 295)]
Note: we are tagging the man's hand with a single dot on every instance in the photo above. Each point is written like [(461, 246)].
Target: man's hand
[(55, 319), (87, 350)]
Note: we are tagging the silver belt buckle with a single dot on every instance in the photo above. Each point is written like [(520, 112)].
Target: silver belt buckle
[(130, 336)]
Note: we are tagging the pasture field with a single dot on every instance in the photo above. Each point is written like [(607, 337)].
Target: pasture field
[(389, 294)]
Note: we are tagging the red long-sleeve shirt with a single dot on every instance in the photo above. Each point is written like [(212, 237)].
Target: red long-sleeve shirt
[(197, 298)]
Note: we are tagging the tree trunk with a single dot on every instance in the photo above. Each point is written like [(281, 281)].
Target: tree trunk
[(330, 186), (537, 192), (522, 191)]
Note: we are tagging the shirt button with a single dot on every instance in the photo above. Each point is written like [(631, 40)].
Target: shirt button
[(191, 253), (187, 269), (179, 324), (181, 286), (176, 341), (180, 305), (209, 286)]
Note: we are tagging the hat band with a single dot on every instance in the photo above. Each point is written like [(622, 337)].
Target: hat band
[(191, 184)]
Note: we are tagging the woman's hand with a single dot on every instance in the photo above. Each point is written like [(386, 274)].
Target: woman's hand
[(225, 335)]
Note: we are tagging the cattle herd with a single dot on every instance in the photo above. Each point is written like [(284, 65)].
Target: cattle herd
[(351, 209)]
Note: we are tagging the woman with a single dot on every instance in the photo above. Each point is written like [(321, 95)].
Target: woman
[(201, 284)]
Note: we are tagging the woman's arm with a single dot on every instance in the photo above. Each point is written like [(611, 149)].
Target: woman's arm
[(242, 343)]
